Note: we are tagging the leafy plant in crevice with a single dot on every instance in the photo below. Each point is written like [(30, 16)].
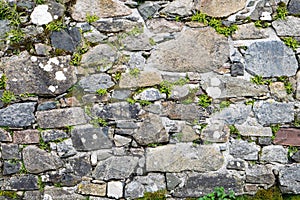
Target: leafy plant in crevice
[(287, 84), (15, 36), (158, 195), (250, 102), (281, 11), (101, 91), (56, 25), (259, 80), (98, 121), (224, 104), (44, 145), (204, 100), (91, 18), (275, 128), (9, 194), (234, 131), (291, 42), (292, 150), (134, 72), (8, 97), (3, 81), (219, 194), (261, 24), (39, 1), (23, 169), (41, 184), (200, 17)]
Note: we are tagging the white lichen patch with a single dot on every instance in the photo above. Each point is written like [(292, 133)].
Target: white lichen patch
[(53, 60), (33, 58), (60, 76), (40, 15), (14, 80), (95, 137), (52, 88), (47, 67)]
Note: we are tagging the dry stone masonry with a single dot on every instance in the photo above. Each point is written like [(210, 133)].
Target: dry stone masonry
[(111, 99)]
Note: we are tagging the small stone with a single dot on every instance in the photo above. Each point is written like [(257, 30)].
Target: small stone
[(116, 25), (149, 94), (136, 42), (33, 195), (121, 94), (53, 135), (65, 179), (236, 164), (121, 140), (5, 136), (274, 153), (47, 106), (294, 7), (26, 137), (288, 137), (290, 26), (289, 176), (81, 166), (244, 150), (237, 69), (143, 79), (40, 15), (61, 193), (216, 131), (118, 111), (148, 9), (260, 174), (92, 189), (94, 36), (11, 168), (172, 181), (179, 7), (10, 151), (296, 157), (161, 25), (65, 148), (66, 39), (278, 90), (42, 49), (255, 130), (95, 82), (21, 182), (179, 92), (115, 189)]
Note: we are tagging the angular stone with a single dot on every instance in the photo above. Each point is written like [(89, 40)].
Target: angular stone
[(115, 168), (81, 166), (37, 160), (94, 36), (115, 189), (236, 164), (27, 74), (65, 179), (183, 55), (143, 79), (260, 174), (161, 25), (87, 138), (289, 176), (172, 181), (96, 81), (141, 184), (148, 9), (92, 189), (179, 7), (101, 57), (10, 151), (47, 106), (151, 131), (26, 137), (244, 150), (220, 8), (22, 182), (249, 31), (60, 193), (100, 8), (201, 184), (136, 43), (294, 7), (18, 115), (66, 39), (150, 94), (33, 195), (187, 134), (182, 157), (40, 15), (296, 156), (118, 111), (11, 168), (237, 69), (65, 148), (288, 137), (121, 94), (121, 140), (53, 135), (216, 131), (278, 90), (256, 130), (61, 117), (261, 57), (116, 25), (57, 9), (274, 153), (273, 112), (290, 26), (5, 136)]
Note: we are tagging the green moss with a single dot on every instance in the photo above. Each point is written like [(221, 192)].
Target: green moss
[(91, 18), (272, 193), (56, 25), (158, 195), (9, 194), (134, 72), (259, 80), (98, 121), (291, 42), (200, 17), (261, 24), (204, 100), (101, 91), (3, 81), (224, 104), (281, 11), (8, 97), (234, 131)]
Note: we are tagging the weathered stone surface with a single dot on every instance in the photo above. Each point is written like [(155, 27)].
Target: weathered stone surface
[(261, 57), (27, 74), (115, 168), (201, 184), (287, 27), (160, 25), (260, 174), (186, 134), (116, 25), (200, 50), (274, 153), (150, 94), (244, 150), (61, 117), (101, 57), (60, 193), (10, 151), (33, 195), (288, 137), (118, 111), (92, 189), (294, 7), (100, 8), (121, 140), (216, 131), (278, 91), (94, 36), (95, 82), (49, 105), (87, 137), (273, 112), (65, 148), (64, 179), (143, 79), (170, 158), (252, 128), (289, 177), (115, 189), (151, 131), (22, 182), (81, 166), (220, 8), (29, 136), (249, 31), (296, 156), (180, 92), (5, 136), (18, 115), (66, 39), (236, 164), (37, 160), (172, 181), (121, 94), (218, 86), (141, 184), (40, 15), (179, 7), (53, 135), (148, 9), (138, 42), (11, 168)]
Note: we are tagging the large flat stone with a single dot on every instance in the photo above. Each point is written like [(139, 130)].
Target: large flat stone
[(92, 189), (244, 150), (261, 57), (288, 137), (61, 117), (116, 25), (287, 27), (117, 111), (249, 31), (274, 153), (260, 174), (95, 82), (179, 7), (289, 177), (183, 156), (143, 79), (60, 193), (200, 50), (29, 136), (22, 182)]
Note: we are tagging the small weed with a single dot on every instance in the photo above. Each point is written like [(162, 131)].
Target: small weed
[(177, 19), (234, 131), (101, 91), (9, 194), (130, 101), (291, 42), (144, 102), (76, 59), (23, 169), (219, 193), (189, 100), (56, 25), (224, 104), (152, 42), (281, 11), (204, 100), (158, 195), (165, 87), (98, 121), (69, 128), (41, 184), (200, 17), (275, 128), (39, 1), (10, 13), (288, 87), (259, 80), (134, 72), (59, 185), (3, 81), (135, 31), (15, 35), (91, 18), (117, 76), (250, 102), (261, 24), (296, 121), (292, 150), (26, 95), (8, 97), (44, 145), (181, 81)]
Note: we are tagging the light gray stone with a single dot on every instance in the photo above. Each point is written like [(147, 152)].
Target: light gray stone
[(244, 150), (260, 174), (179, 7), (161, 25), (115, 189), (274, 153), (52, 135), (65, 148), (287, 27), (260, 131), (273, 112), (138, 42), (94, 36), (10, 151), (143, 79), (18, 115), (249, 31), (191, 51), (179, 92), (183, 156), (5, 136), (289, 177), (216, 131), (261, 57), (95, 82), (4, 27), (150, 94), (61, 193), (121, 140), (148, 9)]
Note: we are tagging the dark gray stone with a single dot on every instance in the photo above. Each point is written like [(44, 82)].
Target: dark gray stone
[(96, 81), (47, 106), (56, 8), (260, 174), (116, 25), (126, 124), (18, 115), (87, 138), (289, 177), (294, 7), (21, 182), (65, 148), (261, 57), (244, 150), (264, 141), (81, 166), (237, 69), (118, 111), (10, 151), (53, 135), (172, 181), (148, 9), (66, 39), (273, 112), (5, 136), (296, 157), (65, 179), (11, 167)]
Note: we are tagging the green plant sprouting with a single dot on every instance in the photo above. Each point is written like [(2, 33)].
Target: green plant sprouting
[(204, 100), (291, 42), (56, 25), (15, 35), (200, 17), (259, 80), (250, 102), (101, 91), (10, 13), (91, 18), (44, 145), (281, 11), (234, 131), (134, 72), (224, 104), (292, 150), (219, 194), (261, 24), (3, 81), (8, 97), (39, 1), (96, 121)]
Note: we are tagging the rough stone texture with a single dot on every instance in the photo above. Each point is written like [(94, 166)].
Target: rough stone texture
[(289, 177), (160, 25), (249, 31), (278, 90), (180, 92), (27, 74), (61, 193), (29, 136), (115, 168), (37, 160), (117, 111), (53, 135), (260, 174), (274, 153), (237, 164), (143, 79), (253, 128), (288, 137), (288, 27), (151, 131), (10, 151), (61, 117), (92, 189), (100, 8), (220, 8), (273, 112), (95, 82), (244, 150), (18, 115), (81, 165), (11, 168), (66, 39), (5, 136), (150, 94), (201, 184), (294, 7), (170, 158), (215, 132), (136, 43), (87, 138), (22, 182), (116, 25), (205, 49), (261, 57), (115, 189), (64, 179), (179, 7), (65, 148)]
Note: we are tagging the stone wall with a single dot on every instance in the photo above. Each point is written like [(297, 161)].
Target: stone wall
[(112, 99)]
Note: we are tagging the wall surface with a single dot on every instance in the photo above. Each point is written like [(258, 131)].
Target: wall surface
[(110, 99)]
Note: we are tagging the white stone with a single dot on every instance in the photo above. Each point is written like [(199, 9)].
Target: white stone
[(53, 60), (214, 92), (40, 15), (266, 16), (59, 75), (115, 189), (52, 88), (33, 58)]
